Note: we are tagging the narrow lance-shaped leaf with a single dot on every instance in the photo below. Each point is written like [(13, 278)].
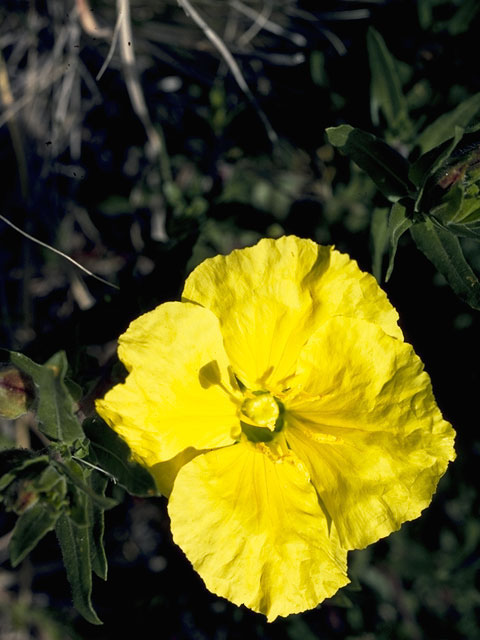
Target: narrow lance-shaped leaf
[(385, 88), (111, 453), (465, 231), (29, 529), (473, 216), (96, 529), (398, 223), (39, 497), (75, 546), (442, 128), (387, 168), (443, 249), (379, 240), (469, 212), (55, 408)]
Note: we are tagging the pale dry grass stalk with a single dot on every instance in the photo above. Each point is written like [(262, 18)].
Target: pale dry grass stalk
[(57, 251), (262, 20), (232, 64), (132, 79), (88, 22)]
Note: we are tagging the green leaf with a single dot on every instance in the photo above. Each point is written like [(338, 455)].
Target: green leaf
[(75, 546), (451, 205), (20, 464), (379, 240), (96, 529), (464, 231), (55, 409), (50, 482), (29, 529), (111, 453), (469, 213), (33, 480), (398, 223), (11, 458), (385, 89), (387, 168), (442, 128), (459, 211), (443, 249), (454, 171), (74, 389), (431, 161)]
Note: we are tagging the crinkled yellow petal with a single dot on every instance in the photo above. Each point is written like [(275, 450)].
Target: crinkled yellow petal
[(368, 429), (251, 525), (180, 392), (271, 297)]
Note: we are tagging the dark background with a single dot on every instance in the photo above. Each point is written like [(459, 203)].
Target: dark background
[(76, 173)]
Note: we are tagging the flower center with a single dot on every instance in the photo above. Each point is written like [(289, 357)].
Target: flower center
[(263, 410)]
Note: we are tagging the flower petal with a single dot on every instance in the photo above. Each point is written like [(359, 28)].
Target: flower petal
[(165, 473), (271, 297), (368, 428), (251, 525), (180, 392)]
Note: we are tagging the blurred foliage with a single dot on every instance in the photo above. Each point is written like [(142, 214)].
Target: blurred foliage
[(163, 160)]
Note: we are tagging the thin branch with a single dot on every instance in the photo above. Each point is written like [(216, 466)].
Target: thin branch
[(63, 255), (231, 63)]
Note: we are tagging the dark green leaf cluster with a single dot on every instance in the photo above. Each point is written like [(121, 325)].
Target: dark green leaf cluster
[(431, 177), (62, 487)]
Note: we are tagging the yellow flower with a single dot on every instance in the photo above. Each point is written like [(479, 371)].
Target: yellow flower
[(281, 411)]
